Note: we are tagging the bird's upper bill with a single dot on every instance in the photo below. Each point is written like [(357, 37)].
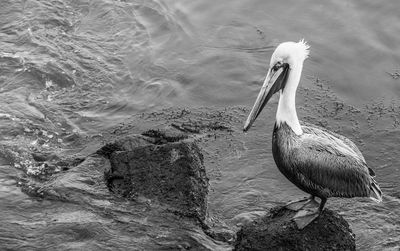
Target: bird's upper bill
[(285, 56)]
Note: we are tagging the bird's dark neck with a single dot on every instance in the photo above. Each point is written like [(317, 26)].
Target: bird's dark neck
[(283, 140)]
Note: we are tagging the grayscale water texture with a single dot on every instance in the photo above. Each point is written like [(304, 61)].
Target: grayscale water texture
[(71, 71)]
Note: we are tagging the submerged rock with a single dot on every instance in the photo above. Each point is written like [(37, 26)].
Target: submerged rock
[(277, 231), (162, 166)]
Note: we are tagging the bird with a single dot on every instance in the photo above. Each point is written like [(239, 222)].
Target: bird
[(321, 163)]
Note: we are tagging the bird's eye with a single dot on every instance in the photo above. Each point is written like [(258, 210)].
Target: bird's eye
[(277, 66)]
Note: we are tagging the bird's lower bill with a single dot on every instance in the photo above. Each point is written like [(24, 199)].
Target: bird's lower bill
[(275, 81)]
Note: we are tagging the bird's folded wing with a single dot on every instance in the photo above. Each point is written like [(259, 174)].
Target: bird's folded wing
[(328, 163), (317, 130)]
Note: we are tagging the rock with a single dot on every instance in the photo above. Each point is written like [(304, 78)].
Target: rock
[(221, 234), (161, 167), (277, 231)]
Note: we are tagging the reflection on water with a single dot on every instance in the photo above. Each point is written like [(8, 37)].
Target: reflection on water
[(69, 70)]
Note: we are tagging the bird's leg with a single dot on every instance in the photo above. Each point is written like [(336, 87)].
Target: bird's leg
[(299, 204), (322, 204), (308, 213)]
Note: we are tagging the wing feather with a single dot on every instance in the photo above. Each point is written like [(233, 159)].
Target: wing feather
[(331, 164), (313, 129)]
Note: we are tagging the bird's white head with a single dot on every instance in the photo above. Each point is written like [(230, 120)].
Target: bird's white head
[(291, 53), (283, 75)]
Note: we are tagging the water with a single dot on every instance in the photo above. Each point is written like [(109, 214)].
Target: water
[(71, 70)]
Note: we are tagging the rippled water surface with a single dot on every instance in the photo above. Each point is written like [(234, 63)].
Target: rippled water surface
[(70, 71)]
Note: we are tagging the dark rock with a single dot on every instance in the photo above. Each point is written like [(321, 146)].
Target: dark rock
[(164, 136), (39, 157), (172, 174), (71, 137), (221, 234), (108, 149), (277, 231), (127, 143)]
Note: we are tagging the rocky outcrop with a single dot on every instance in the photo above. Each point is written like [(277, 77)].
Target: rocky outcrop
[(166, 168), (163, 166), (277, 231)]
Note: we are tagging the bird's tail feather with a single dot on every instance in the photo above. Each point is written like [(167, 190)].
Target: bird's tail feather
[(376, 193)]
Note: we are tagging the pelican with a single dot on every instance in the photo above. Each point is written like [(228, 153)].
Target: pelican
[(319, 162)]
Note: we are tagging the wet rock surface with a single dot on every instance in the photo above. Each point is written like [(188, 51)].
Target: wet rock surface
[(276, 231), (161, 166), (120, 209)]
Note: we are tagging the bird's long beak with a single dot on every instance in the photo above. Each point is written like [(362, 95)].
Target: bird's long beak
[(275, 81)]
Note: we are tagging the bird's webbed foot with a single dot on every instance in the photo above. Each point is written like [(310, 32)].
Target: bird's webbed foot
[(305, 216), (308, 212), (299, 204)]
